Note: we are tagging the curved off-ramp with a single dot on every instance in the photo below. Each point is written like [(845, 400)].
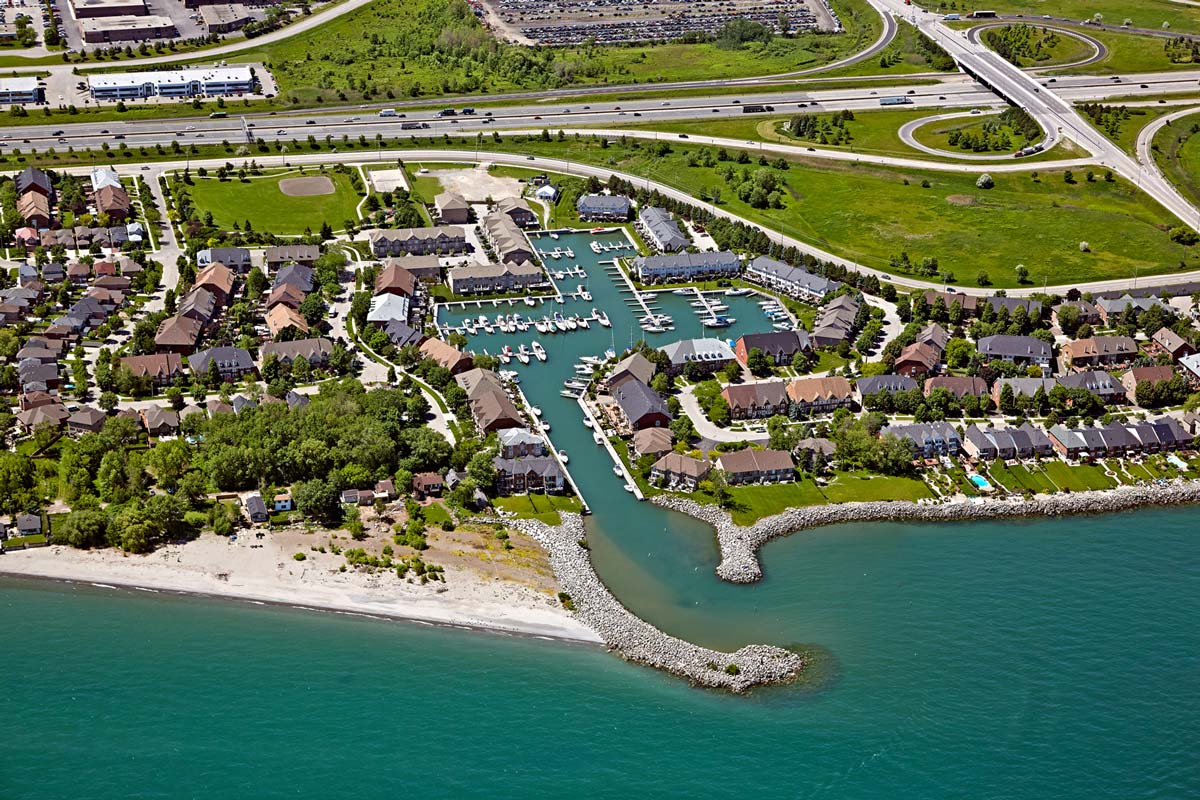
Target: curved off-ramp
[(1099, 49), (906, 136)]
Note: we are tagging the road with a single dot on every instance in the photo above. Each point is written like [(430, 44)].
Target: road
[(1099, 50)]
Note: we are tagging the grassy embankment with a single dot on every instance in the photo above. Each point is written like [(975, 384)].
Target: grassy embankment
[(1177, 153), (1143, 13)]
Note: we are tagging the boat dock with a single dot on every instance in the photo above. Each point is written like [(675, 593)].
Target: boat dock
[(552, 449), (599, 428)]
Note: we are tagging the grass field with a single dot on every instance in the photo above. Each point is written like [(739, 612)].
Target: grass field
[(1128, 52), (1177, 153), (544, 507), (1055, 48), (937, 134), (269, 209), (1078, 479), (902, 57), (752, 503), (1143, 13), (415, 48)]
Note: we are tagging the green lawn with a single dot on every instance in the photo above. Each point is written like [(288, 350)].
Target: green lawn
[(1144, 13), (538, 506), (1177, 152), (902, 57), (937, 134), (269, 209), (861, 486), (436, 514), (1078, 479), (1042, 47), (1128, 53), (752, 503), (17, 541), (416, 48)]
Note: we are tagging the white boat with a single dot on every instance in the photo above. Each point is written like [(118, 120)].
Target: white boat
[(504, 357), (545, 426), (582, 322), (571, 323), (569, 253), (595, 360), (653, 328), (583, 369), (629, 488), (602, 318), (699, 304), (553, 235), (529, 302), (586, 296), (508, 351), (523, 354), (562, 456), (596, 248), (782, 326), (487, 326), (739, 292), (610, 354), (559, 321), (718, 307), (587, 422), (539, 352), (618, 472), (597, 438), (559, 275), (537, 412), (682, 292), (719, 322), (541, 326)]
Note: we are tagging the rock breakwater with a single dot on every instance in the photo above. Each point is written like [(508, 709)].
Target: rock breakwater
[(739, 545), (639, 641)]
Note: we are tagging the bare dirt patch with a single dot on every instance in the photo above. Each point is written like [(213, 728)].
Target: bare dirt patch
[(477, 184), (306, 187), (961, 200)]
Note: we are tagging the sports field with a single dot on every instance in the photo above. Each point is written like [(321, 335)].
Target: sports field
[(279, 202)]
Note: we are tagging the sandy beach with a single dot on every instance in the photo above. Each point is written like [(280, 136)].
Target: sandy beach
[(212, 565)]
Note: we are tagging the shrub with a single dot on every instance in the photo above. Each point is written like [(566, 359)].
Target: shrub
[(985, 181), (732, 669), (300, 557)]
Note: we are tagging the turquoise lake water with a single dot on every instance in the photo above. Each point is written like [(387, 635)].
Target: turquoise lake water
[(1048, 659)]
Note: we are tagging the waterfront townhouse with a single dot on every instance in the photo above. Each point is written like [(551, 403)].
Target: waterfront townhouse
[(757, 466), (603, 208), (1132, 379), (402, 334), (928, 439), (641, 406), (163, 369), (519, 443), (756, 400), (518, 211), (653, 442), (452, 209), (445, 355), (792, 281), (836, 322), (661, 230), (878, 384), (506, 238), (315, 351), (491, 407), (418, 241), (705, 356), (987, 444), (531, 474), (232, 363), (280, 256), (426, 269), (1098, 351), (633, 367), (687, 266), (820, 395), (1101, 384), (1171, 343), (778, 346), (1016, 350), (1068, 442), (677, 471), (236, 258), (495, 278), (958, 387), (387, 308), (1111, 308)]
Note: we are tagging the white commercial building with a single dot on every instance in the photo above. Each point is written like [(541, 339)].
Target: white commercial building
[(20, 90), (172, 83)]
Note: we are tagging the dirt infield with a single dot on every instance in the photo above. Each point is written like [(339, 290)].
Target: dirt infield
[(306, 187)]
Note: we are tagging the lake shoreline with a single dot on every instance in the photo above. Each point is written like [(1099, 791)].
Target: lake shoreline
[(740, 545), (208, 568)]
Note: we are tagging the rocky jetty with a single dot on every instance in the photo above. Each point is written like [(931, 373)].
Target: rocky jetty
[(639, 641), (739, 545)]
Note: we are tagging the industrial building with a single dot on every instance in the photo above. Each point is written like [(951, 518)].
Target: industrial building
[(225, 17), (21, 90), (103, 30), (172, 83), (91, 9)]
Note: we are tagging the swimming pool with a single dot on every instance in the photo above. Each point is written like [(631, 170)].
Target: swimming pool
[(980, 482), (1177, 461)]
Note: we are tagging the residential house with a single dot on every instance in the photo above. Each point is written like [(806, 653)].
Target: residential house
[(1111, 308), (532, 474), (687, 266), (928, 439), (386, 489), (507, 238), (218, 406), (792, 281), (661, 230), (178, 334), (641, 406), (835, 323), (445, 355), (218, 279), (232, 362), (402, 334), (820, 395), (52, 414), (29, 524), (282, 502), (1133, 378), (1168, 341), (281, 317), (256, 509), (452, 209), (285, 294), (633, 367), (315, 351), (32, 179), (198, 304), (303, 254), (707, 355), (394, 279), (297, 276), (78, 273), (756, 400), (1101, 384), (959, 387), (160, 422), (603, 208), (1016, 349), (1191, 368), (490, 405), (517, 209), (778, 346), (236, 258), (427, 269), (680, 471), (34, 210), (495, 278), (1098, 351), (757, 466), (519, 443), (163, 369), (877, 384), (427, 484), (113, 201), (418, 241), (653, 442), (918, 359), (1089, 314), (85, 420)]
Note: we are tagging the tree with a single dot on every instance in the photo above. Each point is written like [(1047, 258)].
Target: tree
[(985, 181), (318, 499), (758, 363), (482, 469), (1022, 274), (170, 461), (82, 529), (107, 402), (780, 433), (959, 353), (256, 283)]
